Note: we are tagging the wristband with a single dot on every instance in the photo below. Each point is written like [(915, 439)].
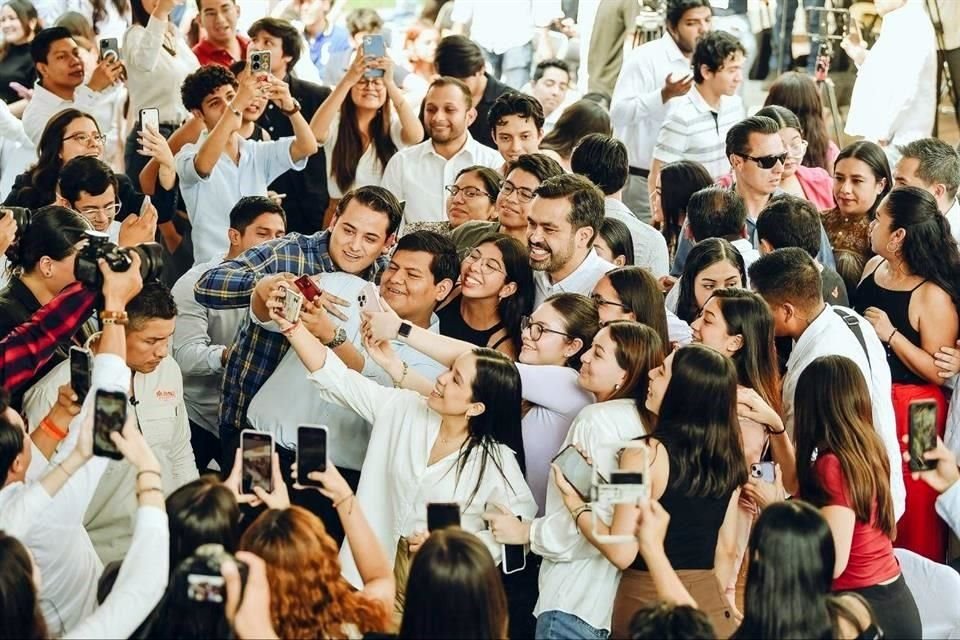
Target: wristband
[(892, 333), (51, 429), (143, 491), (579, 511), (336, 505), (114, 317)]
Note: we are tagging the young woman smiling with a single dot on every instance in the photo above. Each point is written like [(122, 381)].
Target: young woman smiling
[(712, 264)]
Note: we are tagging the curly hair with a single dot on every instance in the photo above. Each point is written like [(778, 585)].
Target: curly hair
[(309, 598)]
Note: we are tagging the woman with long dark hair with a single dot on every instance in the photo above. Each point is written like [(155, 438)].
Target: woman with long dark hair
[(850, 483), (577, 121), (909, 293), (676, 182), (18, 24), (614, 244), (712, 264), (496, 292), (358, 128), (800, 94), (861, 180), (632, 293)]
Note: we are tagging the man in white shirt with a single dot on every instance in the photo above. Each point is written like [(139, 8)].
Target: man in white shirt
[(60, 83), (716, 212), (561, 227), (603, 160), (222, 167), (516, 125), (696, 125), (202, 337), (418, 174), (789, 281), (653, 75), (156, 400), (932, 165)]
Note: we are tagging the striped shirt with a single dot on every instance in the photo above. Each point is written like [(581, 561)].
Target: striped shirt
[(256, 351), (694, 131)]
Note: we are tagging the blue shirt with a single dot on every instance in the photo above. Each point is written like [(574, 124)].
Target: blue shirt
[(333, 40)]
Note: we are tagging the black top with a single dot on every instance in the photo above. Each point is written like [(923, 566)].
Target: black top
[(695, 522), (16, 66), (896, 304), (306, 190), (834, 289), (453, 325)]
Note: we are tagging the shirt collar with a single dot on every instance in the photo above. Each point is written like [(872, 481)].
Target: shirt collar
[(700, 104), (590, 262), (674, 54)]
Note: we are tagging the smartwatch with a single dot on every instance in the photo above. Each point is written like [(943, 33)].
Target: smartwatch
[(404, 330)]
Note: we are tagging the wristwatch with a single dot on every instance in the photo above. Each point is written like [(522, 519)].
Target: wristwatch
[(404, 330), (296, 109), (339, 337)]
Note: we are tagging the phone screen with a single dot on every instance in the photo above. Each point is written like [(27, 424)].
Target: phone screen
[(923, 433), (576, 470), (441, 515), (204, 588), (311, 452), (109, 415), (257, 456), (374, 47), (80, 372)]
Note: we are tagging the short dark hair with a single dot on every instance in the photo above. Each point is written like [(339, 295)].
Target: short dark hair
[(939, 162), (11, 436), (716, 212), (363, 19), (586, 200), (289, 36), (450, 81), (249, 208), (378, 199), (663, 621), (202, 82), (787, 275), (86, 174), (536, 164), (738, 137), (154, 302), (676, 9), (554, 63), (603, 159), (458, 57), (40, 47), (514, 103), (445, 264), (712, 51), (789, 221)]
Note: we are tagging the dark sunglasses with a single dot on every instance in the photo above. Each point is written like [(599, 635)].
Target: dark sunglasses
[(766, 162)]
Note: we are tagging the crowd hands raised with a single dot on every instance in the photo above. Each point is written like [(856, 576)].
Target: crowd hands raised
[(445, 337)]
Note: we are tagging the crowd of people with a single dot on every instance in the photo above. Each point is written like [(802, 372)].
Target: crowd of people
[(594, 347)]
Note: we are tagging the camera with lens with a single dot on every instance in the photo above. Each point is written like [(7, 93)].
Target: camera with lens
[(204, 579), (21, 216), (119, 259)]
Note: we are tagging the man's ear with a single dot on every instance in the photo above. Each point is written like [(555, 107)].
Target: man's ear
[(765, 247), (471, 116), (233, 235), (41, 70), (585, 236), (444, 287), (197, 113), (388, 244), (60, 201)]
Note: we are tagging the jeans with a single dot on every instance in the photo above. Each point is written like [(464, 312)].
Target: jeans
[(557, 625), (513, 66), (813, 26)]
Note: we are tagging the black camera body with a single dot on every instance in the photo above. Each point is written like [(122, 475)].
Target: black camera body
[(119, 259)]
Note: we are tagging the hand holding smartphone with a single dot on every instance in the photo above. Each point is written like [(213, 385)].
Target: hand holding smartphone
[(310, 290), (257, 459), (292, 304), (923, 433), (150, 119), (109, 416), (576, 470), (374, 47), (81, 370), (311, 452), (764, 471), (369, 298)]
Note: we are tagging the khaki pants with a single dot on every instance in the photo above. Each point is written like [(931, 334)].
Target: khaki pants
[(401, 570)]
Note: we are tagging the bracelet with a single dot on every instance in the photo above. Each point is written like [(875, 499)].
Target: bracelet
[(143, 491), (47, 425), (289, 330), (892, 333), (579, 511), (336, 505), (64, 469), (145, 471), (403, 376), (114, 317), (767, 428)]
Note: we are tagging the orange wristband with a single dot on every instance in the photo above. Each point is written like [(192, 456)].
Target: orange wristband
[(52, 429)]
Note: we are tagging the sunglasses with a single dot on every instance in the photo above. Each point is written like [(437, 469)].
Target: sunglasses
[(766, 162)]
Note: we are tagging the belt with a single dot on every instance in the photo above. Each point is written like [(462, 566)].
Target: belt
[(643, 173)]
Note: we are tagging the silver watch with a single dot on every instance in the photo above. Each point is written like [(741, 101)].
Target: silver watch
[(339, 337)]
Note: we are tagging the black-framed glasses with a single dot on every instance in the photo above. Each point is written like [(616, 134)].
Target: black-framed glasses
[(86, 138), (468, 192), (523, 194), (537, 329), (601, 301), (487, 265), (766, 162)]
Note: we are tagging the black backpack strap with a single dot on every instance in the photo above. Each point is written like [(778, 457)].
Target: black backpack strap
[(854, 325)]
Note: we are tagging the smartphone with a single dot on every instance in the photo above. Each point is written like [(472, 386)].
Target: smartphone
[(292, 303), (764, 471), (205, 588), (81, 367), (150, 119), (144, 205), (629, 484), (109, 415), (923, 433), (257, 457), (109, 47), (513, 556), (374, 47), (311, 452), (308, 287), (369, 298), (576, 470), (260, 62), (441, 515)]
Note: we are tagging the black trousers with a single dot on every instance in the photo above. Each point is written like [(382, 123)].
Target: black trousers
[(206, 446), (523, 589), (894, 609)]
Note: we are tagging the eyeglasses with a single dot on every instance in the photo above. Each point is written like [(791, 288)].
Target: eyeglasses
[(797, 149), (373, 82), (523, 194), (600, 301), (109, 211), (766, 162), (537, 329), (87, 138), (468, 192), (487, 265)]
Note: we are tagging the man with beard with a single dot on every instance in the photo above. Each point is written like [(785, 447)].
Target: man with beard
[(652, 76), (418, 174), (563, 222)]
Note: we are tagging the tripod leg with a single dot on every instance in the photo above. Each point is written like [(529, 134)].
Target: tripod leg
[(826, 86)]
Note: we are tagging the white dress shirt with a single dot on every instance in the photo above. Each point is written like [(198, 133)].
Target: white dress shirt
[(209, 200), (677, 330), (396, 483), (582, 280), (649, 245), (748, 253), (418, 175), (490, 30), (895, 95), (369, 170), (199, 340), (17, 151), (828, 335), (152, 70), (44, 105), (575, 577), (948, 507), (637, 110)]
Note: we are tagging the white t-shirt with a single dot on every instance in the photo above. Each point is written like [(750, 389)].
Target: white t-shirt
[(369, 169)]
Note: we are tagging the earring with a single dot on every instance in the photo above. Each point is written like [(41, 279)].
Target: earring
[(616, 387), (893, 247)]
